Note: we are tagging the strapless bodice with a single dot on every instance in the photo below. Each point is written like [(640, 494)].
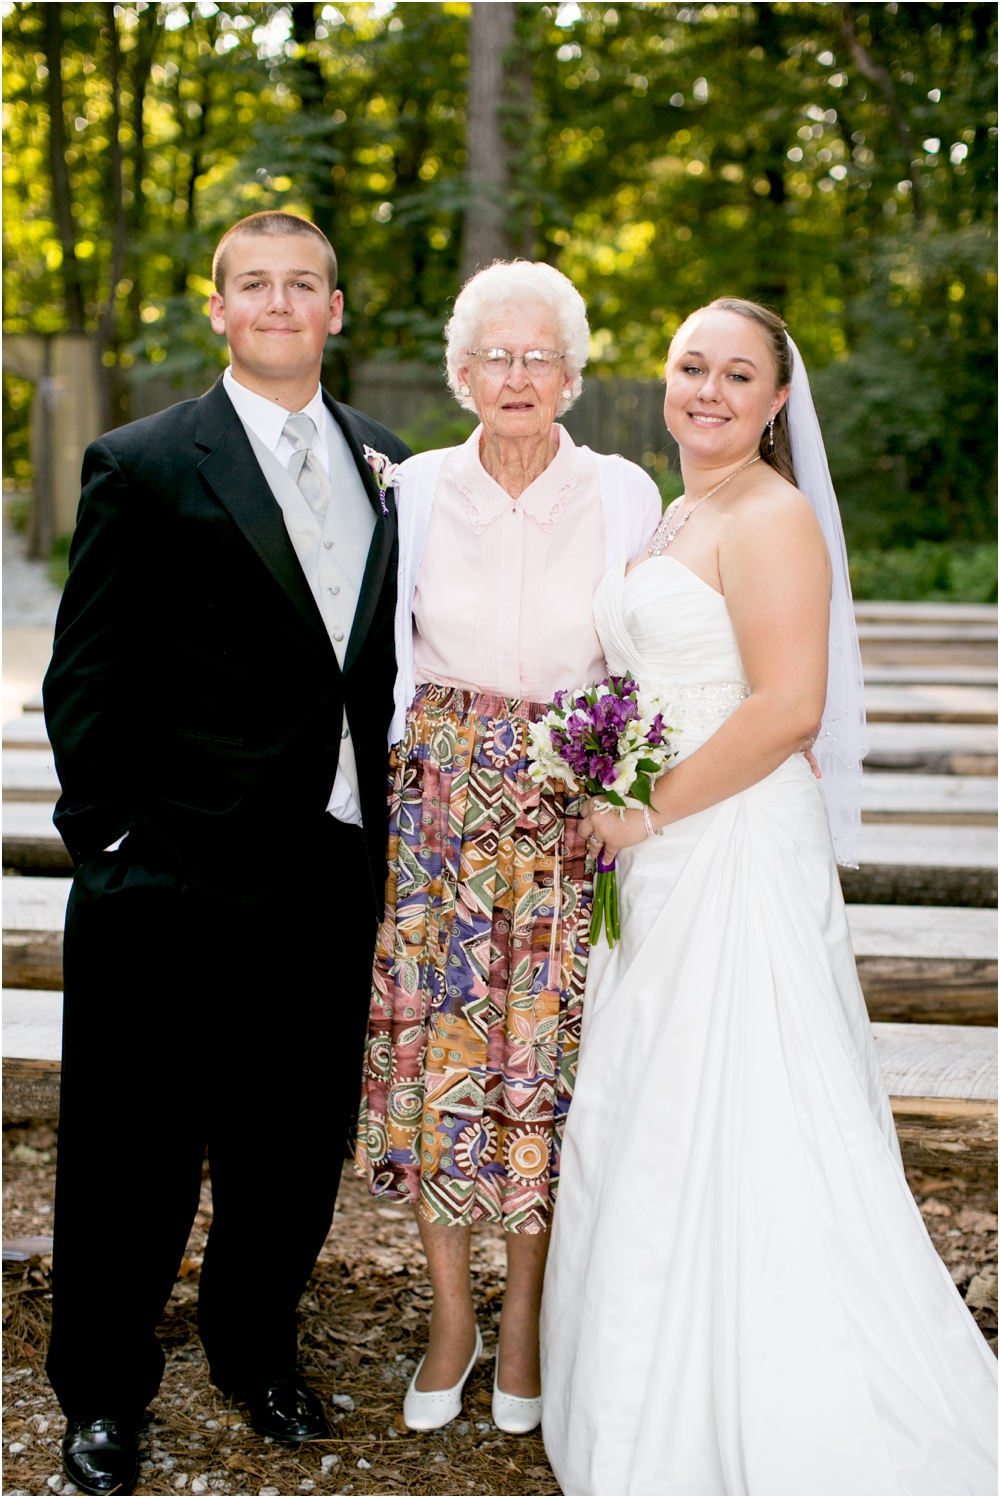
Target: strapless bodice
[(663, 625)]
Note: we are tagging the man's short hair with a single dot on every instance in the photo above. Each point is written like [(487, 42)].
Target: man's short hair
[(271, 223)]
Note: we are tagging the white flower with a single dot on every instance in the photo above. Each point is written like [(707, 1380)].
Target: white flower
[(384, 471)]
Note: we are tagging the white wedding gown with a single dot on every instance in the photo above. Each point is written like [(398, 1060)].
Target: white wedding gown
[(741, 1296)]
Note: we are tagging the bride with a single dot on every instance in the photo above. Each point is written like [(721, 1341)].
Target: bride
[(741, 1296)]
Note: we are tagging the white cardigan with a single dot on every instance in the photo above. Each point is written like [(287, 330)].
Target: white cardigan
[(632, 509)]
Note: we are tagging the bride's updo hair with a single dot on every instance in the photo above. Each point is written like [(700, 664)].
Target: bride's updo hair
[(773, 327)]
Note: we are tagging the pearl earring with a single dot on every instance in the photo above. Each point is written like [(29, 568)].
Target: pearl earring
[(463, 390), (770, 435)]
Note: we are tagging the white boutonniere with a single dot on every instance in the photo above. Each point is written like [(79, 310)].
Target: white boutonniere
[(384, 472)]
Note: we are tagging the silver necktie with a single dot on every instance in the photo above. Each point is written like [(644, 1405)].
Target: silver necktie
[(304, 466)]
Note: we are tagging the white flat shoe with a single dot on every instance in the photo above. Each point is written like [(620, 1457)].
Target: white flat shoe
[(514, 1415), (429, 1409)]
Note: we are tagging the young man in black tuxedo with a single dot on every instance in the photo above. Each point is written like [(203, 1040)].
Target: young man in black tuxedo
[(219, 694)]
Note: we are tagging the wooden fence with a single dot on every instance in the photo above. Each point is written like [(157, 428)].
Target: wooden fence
[(611, 416)]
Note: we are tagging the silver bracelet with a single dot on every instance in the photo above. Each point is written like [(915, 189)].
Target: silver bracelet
[(650, 832)]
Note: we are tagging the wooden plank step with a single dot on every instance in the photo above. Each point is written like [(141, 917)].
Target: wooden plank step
[(961, 800), (942, 1082), (916, 676), (933, 748), (31, 845), (31, 1090), (901, 864), (922, 965), (29, 775), (26, 732), (866, 611), (920, 702), (907, 651), (927, 634), (34, 913), (946, 1063), (32, 1024), (930, 704)]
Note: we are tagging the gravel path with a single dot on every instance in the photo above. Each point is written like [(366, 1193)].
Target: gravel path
[(30, 598)]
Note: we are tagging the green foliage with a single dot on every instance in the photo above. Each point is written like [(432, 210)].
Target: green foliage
[(909, 415), (928, 572), (17, 398), (59, 561), (661, 154), (670, 484), (438, 426)]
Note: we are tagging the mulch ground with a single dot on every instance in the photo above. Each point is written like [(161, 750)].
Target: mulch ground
[(363, 1327)]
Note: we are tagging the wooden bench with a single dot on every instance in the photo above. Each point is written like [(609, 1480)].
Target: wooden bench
[(30, 775), (32, 1048), (901, 864), (942, 676), (898, 612), (26, 732), (933, 748), (930, 703), (918, 964), (942, 1080), (34, 913), (30, 842), (958, 800)]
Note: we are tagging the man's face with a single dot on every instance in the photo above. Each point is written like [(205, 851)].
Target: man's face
[(278, 310)]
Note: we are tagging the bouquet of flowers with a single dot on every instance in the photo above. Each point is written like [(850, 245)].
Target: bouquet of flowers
[(609, 741)]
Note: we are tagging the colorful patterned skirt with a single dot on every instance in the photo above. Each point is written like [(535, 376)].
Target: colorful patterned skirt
[(479, 972)]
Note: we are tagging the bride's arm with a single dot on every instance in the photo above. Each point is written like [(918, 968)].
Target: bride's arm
[(775, 574)]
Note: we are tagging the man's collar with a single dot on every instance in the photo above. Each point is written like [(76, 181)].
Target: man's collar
[(266, 417)]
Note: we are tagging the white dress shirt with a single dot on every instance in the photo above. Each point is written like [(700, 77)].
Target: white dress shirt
[(332, 549)]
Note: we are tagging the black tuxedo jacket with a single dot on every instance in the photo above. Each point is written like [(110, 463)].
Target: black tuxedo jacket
[(194, 697)]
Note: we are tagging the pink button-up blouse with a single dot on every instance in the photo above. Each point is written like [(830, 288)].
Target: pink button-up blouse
[(504, 598)]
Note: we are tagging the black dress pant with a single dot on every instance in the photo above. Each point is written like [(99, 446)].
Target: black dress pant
[(193, 1023)]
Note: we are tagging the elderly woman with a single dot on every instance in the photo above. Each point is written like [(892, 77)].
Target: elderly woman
[(480, 967)]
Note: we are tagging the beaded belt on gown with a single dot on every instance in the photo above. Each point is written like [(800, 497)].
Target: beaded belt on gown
[(698, 705)]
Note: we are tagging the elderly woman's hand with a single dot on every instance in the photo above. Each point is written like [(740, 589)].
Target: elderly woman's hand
[(608, 830)]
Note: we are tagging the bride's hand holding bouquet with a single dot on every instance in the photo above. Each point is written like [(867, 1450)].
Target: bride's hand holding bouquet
[(609, 740)]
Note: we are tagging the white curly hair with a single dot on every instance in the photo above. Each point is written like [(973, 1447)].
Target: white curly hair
[(518, 283)]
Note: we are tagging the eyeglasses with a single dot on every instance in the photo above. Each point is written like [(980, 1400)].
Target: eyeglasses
[(537, 361)]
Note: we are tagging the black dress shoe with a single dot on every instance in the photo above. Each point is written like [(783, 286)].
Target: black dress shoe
[(286, 1410), (101, 1456)]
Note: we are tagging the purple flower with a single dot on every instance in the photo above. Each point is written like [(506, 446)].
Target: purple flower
[(602, 769), (656, 736)]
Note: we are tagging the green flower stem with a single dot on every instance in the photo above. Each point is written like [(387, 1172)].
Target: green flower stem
[(605, 911)]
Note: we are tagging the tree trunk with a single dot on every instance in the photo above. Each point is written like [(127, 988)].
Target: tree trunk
[(875, 73), (106, 321), (62, 203), (140, 66), (41, 531), (485, 238)]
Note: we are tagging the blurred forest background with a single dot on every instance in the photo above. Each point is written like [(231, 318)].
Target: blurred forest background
[(837, 162)]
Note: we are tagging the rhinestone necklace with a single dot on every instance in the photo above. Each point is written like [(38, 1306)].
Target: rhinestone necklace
[(663, 536)]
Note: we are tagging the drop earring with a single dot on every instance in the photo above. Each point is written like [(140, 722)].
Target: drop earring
[(770, 435)]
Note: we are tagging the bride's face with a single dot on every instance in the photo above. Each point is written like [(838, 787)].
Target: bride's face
[(720, 388)]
